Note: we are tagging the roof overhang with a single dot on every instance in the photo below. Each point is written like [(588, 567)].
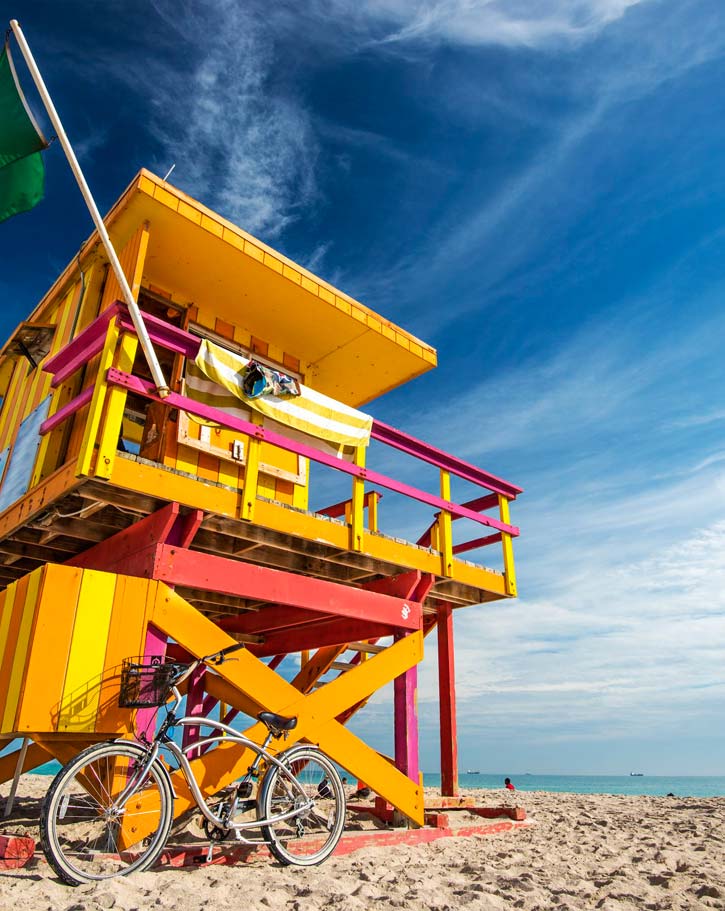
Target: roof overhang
[(346, 350)]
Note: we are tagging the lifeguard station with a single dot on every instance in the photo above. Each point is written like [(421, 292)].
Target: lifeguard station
[(137, 525)]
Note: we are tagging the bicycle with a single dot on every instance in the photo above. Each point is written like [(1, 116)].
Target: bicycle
[(109, 811)]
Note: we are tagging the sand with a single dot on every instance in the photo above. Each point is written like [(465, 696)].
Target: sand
[(581, 852)]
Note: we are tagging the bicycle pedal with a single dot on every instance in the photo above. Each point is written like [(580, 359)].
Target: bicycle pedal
[(210, 853)]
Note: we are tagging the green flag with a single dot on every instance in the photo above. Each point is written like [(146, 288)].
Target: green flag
[(22, 174)]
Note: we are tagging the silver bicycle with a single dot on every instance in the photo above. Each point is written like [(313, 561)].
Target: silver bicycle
[(109, 810)]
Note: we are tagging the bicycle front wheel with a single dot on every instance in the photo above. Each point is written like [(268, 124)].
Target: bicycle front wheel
[(87, 833), (308, 783)]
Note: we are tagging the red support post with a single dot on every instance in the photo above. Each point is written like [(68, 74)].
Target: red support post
[(447, 696)]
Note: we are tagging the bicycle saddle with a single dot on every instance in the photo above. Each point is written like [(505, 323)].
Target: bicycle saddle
[(277, 723)]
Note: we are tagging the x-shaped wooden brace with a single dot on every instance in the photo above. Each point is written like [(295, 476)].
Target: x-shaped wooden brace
[(249, 685)]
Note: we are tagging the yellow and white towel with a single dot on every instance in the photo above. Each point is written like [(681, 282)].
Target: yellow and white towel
[(310, 412)]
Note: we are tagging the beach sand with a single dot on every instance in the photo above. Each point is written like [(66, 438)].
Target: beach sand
[(581, 852)]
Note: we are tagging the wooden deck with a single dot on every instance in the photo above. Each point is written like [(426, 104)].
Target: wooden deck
[(66, 515)]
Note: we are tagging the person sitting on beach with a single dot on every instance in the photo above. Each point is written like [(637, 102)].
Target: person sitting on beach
[(509, 786)]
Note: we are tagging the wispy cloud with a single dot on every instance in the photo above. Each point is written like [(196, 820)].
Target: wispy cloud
[(497, 21), (471, 22), (241, 144)]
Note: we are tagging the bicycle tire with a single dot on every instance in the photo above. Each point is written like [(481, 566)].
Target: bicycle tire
[(308, 838), (84, 838)]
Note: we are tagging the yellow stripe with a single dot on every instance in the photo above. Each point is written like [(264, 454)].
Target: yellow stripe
[(311, 412), (8, 407), (17, 675), (6, 613), (87, 651), (48, 661), (7, 600)]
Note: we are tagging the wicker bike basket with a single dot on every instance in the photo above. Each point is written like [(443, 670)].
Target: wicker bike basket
[(145, 684)]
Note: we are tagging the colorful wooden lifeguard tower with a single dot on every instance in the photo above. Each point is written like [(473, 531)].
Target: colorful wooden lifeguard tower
[(137, 525)]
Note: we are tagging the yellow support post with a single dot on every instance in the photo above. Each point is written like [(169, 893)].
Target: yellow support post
[(445, 529), (116, 397), (357, 517), (95, 410), (251, 473), (372, 500), (508, 549)]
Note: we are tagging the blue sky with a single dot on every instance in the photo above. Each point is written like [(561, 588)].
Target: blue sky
[(535, 187)]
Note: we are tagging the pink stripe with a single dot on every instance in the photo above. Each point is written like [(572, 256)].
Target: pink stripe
[(155, 648)]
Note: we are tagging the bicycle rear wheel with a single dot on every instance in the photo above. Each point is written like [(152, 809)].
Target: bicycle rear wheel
[(86, 834), (310, 836)]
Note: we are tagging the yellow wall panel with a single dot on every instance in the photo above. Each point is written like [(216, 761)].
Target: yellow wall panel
[(126, 636), (46, 670), (7, 600), (19, 662), (11, 636), (87, 652)]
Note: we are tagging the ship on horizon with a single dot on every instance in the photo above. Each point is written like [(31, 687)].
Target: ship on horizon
[(636, 774)]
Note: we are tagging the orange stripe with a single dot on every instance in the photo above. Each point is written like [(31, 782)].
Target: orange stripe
[(126, 637), (7, 423), (7, 665), (7, 599), (23, 647), (46, 670)]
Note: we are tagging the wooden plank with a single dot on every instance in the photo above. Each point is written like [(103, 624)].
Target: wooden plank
[(48, 663), (92, 422), (111, 552), (184, 567), (508, 550), (115, 404), (81, 690), (12, 614), (7, 602), (21, 648)]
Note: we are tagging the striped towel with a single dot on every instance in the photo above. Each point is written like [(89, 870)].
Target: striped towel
[(310, 412)]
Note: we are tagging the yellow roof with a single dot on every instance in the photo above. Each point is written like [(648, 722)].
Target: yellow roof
[(347, 351)]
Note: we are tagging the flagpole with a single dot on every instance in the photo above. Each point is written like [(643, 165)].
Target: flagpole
[(143, 336)]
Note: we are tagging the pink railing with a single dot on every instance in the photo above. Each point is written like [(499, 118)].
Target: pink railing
[(91, 342)]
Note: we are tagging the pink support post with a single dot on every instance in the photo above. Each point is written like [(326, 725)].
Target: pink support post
[(405, 695), (194, 706), (155, 652)]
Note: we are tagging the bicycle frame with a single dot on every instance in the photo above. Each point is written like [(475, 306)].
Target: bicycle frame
[(225, 734)]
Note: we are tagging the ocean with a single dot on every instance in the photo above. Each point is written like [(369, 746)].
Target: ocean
[(652, 785)]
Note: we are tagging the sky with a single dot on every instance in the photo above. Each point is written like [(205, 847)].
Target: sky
[(534, 187)]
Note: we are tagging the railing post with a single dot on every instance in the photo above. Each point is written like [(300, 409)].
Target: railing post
[(95, 410), (445, 529), (357, 518), (116, 403), (508, 549), (372, 502), (251, 472)]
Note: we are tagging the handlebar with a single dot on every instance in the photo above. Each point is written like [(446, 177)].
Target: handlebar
[(218, 657)]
